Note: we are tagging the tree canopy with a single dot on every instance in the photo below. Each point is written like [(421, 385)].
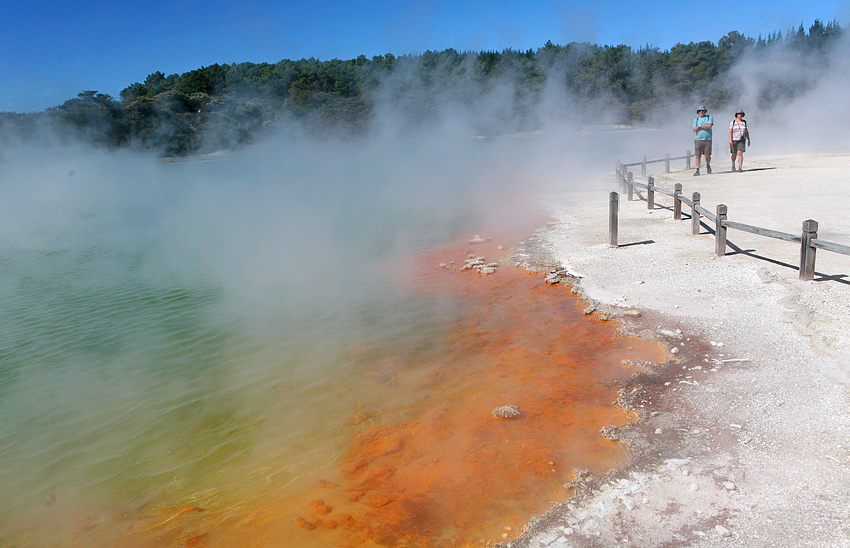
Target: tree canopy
[(228, 105)]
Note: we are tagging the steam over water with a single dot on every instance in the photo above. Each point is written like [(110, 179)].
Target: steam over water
[(196, 335)]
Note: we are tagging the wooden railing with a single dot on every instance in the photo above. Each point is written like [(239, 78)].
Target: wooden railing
[(808, 238), (667, 159)]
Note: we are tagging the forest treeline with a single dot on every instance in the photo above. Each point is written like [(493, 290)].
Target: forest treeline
[(225, 106)]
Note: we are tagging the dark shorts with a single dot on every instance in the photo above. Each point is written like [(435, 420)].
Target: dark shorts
[(702, 147), (738, 146)]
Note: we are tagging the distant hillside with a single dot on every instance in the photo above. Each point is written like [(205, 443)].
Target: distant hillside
[(225, 106)]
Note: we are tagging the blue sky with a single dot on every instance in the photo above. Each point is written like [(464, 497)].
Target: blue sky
[(50, 51)]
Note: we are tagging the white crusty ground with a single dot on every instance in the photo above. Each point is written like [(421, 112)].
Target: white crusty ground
[(760, 454)]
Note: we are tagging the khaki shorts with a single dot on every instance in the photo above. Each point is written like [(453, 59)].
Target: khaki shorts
[(702, 147), (738, 146)]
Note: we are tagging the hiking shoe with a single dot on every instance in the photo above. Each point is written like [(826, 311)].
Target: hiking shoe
[(733, 167), (708, 169), (696, 173), (740, 170)]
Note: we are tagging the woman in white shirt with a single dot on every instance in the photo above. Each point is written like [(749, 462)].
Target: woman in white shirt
[(738, 131)]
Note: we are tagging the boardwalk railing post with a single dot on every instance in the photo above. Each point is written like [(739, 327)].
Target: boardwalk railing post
[(631, 188), (720, 231), (667, 163), (643, 167), (687, 159), (695, 214), (613, 218), (807, 252), (677, 202), (624, 178), (650, 193)]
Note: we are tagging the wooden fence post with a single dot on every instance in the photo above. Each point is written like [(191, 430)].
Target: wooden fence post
[(807, 252), (628, 184), (650, 193), (643, 167), (695, 214), (667, 163), (687, 159), (613, 218), (720, 231), (677, 202)]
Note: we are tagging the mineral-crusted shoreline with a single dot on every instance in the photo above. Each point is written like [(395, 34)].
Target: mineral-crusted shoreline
[(640, 394), (744, 439)]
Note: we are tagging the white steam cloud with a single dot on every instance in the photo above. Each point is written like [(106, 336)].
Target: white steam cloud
[(793, 99), (294, 216), (809, 120)]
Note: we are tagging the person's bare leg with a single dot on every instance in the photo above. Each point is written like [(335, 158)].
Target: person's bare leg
[(740, 161)]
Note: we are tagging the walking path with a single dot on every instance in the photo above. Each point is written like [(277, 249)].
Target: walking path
[(746, 433)]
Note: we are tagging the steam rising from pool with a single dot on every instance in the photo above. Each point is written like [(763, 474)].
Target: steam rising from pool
[(167, 326)]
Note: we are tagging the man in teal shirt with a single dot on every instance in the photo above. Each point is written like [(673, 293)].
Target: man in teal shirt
[(702, 138)]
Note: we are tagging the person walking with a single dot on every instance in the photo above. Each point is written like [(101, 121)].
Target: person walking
[(702, 138), (738, 132)]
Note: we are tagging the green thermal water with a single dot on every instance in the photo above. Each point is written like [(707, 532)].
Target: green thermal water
[(193, 332), (117, 385)]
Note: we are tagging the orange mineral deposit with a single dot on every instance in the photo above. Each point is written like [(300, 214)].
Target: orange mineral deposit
[(456, 474)]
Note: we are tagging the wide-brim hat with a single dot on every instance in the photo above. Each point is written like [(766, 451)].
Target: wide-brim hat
[(702, 108), (739, 111)]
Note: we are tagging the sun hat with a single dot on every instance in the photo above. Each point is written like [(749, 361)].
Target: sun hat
[(702, 108), (739, 111)]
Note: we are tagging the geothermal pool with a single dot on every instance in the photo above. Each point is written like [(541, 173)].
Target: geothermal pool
[(214, 355)]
